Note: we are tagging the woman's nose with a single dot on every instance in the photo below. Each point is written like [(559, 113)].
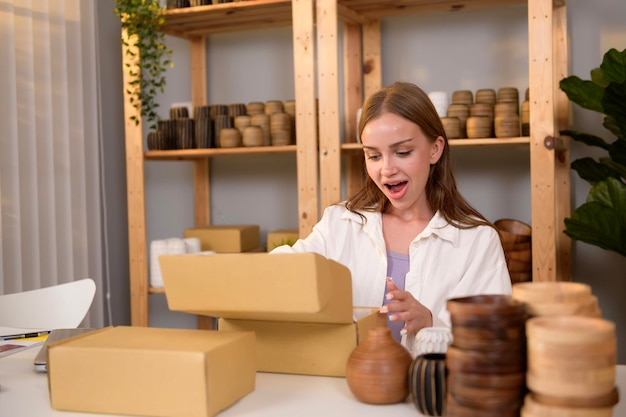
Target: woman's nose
[(388, 166)]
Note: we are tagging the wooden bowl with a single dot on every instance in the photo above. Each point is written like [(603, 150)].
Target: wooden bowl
[(554, 291), (501, 381), (519, 255), (572, 383), (468, 407), (465, 336), (518, 277), (491, 344), (607, 400), (492, 322), (515, 265), (511, 246), (484, 362), (512, 238), (566, 330), (587, 308), (488, 304), (535, 408), (513, 226)]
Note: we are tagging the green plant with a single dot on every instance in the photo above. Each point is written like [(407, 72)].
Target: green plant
[(142, 19), (601, 220)]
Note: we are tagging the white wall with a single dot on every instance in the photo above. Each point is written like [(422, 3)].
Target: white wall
[(451, 51)]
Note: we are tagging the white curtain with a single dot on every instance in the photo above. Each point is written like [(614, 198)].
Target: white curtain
[(51, 227)]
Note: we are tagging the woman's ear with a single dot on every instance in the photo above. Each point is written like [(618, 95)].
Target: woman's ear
[(436, 150)]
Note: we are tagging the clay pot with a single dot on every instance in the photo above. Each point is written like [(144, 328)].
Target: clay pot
[(377, 369), (427, 383)]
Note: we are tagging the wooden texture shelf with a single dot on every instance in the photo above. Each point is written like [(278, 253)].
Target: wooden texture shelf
[(190, 154), (360, 12), (190, 22), (319, 156), (362, 75), (195, 24), (353, 146)]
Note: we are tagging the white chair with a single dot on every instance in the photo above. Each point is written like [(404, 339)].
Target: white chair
[(62, 306)]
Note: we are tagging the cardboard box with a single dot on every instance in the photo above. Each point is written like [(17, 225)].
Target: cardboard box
[(299, 305), (281, 237), (307, 348), (226, 239), (151, 371)]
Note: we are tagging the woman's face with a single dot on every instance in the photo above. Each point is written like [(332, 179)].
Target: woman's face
[(398, 157)]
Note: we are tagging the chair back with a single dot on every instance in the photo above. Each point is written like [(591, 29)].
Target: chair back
[(62, 306)]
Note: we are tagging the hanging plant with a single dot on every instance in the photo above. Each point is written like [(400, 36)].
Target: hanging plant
[(142, 19)]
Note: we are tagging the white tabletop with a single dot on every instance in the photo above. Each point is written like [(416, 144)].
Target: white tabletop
[(24, 393)]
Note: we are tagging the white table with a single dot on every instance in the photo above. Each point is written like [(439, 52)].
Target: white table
[(24, 393)]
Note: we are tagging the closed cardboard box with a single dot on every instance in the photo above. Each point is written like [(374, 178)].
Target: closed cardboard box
[(307, 348), (299, 305), (151, 371), (226, 239)]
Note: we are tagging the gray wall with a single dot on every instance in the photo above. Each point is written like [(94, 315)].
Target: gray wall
[(431, 51), (117, 295)]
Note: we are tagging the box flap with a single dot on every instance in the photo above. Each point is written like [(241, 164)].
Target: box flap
[(303, 287)]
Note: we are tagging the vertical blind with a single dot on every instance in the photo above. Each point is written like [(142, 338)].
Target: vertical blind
[(50, 182)]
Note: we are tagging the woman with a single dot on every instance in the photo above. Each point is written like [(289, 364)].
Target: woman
[(409, 238)]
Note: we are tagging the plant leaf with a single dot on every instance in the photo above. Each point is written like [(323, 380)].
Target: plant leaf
[(614, 104), (586, 94), (614, 66), (587, 139), (601, 221), (592, 171)]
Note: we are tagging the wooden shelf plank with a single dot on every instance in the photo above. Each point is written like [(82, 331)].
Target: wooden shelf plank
[(191, 22), (189, 154), (462, 142), (363, 11)]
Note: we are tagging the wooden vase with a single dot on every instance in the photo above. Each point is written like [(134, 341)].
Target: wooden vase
[(377, 369), (427, 383)]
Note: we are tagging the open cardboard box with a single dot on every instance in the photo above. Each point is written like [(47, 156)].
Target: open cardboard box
[(299, 305), (151, 371)]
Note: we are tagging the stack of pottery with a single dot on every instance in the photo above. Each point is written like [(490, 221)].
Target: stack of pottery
[(557, 298), (486, 362), (516, 242), (204, 127), (506, 113), (571, 367)]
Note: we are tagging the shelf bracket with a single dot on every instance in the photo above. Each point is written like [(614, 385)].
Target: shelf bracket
[(552, 143)]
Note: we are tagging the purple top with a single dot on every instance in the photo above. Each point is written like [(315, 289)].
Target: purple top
[(397, 268)]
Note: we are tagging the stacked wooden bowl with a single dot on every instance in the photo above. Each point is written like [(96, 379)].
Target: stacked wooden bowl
[(486, 361), (558, 298), (516, 238), (571, 367)]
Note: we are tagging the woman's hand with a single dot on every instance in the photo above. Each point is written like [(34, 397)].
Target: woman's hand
[(404, 307)]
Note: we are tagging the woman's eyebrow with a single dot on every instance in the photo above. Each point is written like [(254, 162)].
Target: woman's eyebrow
[(393, 145)]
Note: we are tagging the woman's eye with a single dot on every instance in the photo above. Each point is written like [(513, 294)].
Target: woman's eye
[(372, 157), (404, 153)]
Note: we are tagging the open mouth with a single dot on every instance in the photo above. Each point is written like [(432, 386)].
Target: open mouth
[(396, 186)]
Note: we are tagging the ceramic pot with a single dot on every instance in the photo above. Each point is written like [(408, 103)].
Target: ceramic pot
[(427, 383), (377, 369), (157, 140)]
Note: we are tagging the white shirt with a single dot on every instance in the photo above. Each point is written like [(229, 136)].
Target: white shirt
[(445, 261)]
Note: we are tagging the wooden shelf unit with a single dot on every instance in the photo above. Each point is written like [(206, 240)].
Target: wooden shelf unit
[(362, 75), (194, 24)]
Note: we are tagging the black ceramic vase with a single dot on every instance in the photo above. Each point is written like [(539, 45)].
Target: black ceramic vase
[(427, 383)]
